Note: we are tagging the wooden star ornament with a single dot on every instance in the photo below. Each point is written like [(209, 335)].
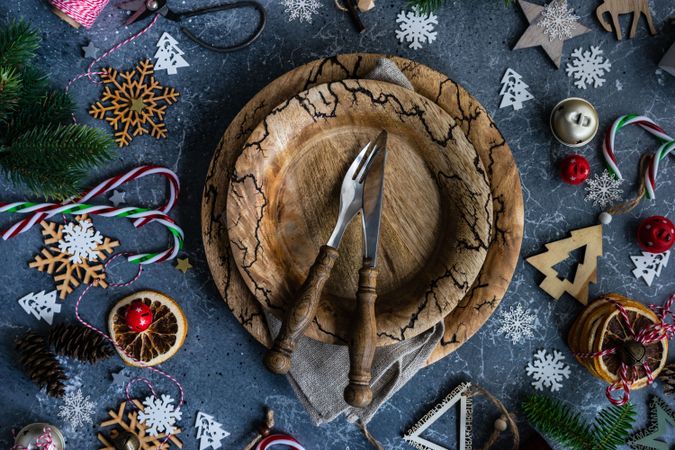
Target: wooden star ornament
[(537, 35), (183, 264)]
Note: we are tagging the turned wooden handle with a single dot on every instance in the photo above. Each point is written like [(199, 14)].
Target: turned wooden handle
[(364, 339), (301, 313)]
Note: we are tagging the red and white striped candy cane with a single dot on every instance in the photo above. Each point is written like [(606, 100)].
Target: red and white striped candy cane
[(608, 148), (111, 184), (279, 439)]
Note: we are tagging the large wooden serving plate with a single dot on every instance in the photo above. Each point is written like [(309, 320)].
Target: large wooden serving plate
[(495, 276), (284, 199)]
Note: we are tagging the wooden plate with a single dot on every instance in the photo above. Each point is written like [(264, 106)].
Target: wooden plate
[(495, 276), (284, 199)]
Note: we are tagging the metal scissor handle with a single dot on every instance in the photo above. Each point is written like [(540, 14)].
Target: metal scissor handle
[(236, 5)]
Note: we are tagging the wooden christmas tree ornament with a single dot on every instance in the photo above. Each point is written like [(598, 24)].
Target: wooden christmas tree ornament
[(558, 251), (615, 8), (128, 429)]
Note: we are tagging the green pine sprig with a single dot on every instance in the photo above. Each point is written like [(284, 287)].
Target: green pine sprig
[(557, 421), (40, 147), (427, 6)]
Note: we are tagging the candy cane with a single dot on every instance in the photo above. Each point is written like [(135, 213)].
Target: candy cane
[(115, 182), (129, 212), (279, 439), (651, 127)]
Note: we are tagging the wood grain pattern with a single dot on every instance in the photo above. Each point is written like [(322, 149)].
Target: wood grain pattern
[(615, 8), (284, 200), (494, 278)]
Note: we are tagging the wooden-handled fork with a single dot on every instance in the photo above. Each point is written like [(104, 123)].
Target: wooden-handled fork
[(362, 190)]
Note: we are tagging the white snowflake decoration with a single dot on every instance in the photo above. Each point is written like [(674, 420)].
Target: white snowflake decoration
[(603, 190), (557, 21), (303, 10), (80, 240), (548, 370), (209, 432), (416, 27), (517, 324), (168, 57), (649, 265), (514, 90), (159, 415), (42, 305), (588, 67), (77, 410)]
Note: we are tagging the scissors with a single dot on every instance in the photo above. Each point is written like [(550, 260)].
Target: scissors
[(142, 9)]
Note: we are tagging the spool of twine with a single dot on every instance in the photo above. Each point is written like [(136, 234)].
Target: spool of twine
[(78, 12)]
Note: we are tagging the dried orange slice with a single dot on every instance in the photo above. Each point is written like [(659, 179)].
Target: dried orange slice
[(613, 333), (163, 338)]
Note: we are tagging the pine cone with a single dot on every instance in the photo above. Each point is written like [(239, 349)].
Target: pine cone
[(667, 377), (40, 364), (79, 342)]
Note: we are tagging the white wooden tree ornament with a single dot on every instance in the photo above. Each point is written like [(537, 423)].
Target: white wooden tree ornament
[(42, 305), (514, 90), (169, 57), (649, 265), (209, 432), (459, 394)]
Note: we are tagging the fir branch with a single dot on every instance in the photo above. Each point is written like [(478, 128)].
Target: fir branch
[(613, 425), (10, 89), (52, 160), (51, 108), (427, 6), (18, 44), (557, 421)]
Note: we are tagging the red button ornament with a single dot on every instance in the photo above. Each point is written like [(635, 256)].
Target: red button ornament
[(656, 234), (139, 316), (574, 169)]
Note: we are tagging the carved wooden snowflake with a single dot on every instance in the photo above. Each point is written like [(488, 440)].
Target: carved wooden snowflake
[(134, 103), (126, 420), (68, 274)]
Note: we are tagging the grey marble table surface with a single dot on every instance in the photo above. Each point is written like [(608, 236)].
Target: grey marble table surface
[(220, 364)]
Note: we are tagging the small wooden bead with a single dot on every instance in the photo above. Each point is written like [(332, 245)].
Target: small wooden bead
[(501, 424)]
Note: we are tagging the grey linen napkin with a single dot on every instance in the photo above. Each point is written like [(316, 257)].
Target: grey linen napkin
[(320, 371)]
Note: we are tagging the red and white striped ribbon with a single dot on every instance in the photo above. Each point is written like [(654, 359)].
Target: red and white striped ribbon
[(279, 439)]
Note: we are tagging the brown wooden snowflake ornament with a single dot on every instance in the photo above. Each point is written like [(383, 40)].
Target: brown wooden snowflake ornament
[(73, 254), (134, 103)]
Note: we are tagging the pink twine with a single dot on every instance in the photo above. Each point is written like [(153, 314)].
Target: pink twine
[(119, 348), (647, 336), (44, 442), (83, 12)]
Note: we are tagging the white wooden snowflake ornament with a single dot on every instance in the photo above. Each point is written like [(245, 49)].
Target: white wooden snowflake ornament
[(209, 432), (302, 10), (159, 414), (603, 190), (43, 305), (548, 370), (459, 394), (416, 27), (557, 21), (649, 265), (588, 67), (76, 410), (169, 57), (517, 324), (514, 91), (80, 240)]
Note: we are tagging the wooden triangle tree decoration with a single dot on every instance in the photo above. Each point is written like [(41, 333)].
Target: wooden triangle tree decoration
[(558, 251), (459, 394)]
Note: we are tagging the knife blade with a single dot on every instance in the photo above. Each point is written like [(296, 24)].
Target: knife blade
[(364, 332)]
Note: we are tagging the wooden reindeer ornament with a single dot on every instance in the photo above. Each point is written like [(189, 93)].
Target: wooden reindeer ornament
[(615, 8), (558, 251)]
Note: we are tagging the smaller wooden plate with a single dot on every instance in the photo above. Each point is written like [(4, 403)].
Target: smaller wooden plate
[(284, 196)]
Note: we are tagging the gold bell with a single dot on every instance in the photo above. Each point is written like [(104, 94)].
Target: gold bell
[(126, 441), (574, 122)]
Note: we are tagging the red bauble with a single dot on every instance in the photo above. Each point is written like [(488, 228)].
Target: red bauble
[(656, 234), (139, 316), (574, 169)]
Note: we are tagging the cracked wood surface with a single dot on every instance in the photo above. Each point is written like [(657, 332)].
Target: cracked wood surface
[(284, 199), (493, 280)]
